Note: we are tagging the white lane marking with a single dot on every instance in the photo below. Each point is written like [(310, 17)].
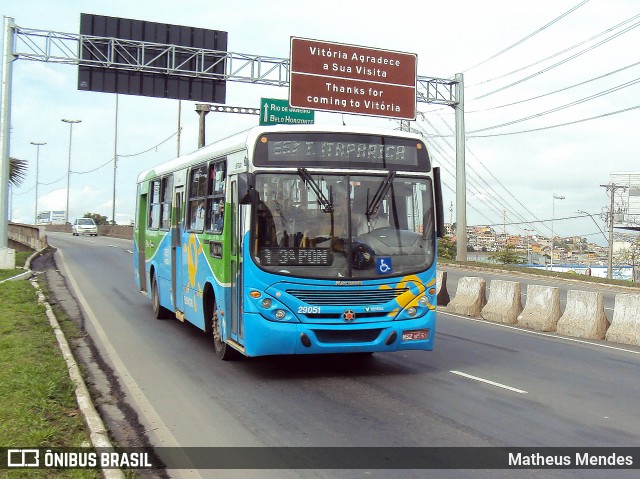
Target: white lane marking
[(475, 378)]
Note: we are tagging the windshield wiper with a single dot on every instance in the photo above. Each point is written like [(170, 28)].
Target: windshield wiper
[(325, 203), (381, 192)]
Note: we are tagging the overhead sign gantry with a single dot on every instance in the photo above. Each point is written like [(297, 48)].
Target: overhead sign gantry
[(195, 62)]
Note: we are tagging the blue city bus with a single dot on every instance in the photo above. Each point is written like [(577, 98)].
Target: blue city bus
[(295, 239)]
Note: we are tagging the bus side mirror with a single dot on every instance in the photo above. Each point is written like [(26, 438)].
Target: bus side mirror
[(249, 198), (439, 211), (246, 189)]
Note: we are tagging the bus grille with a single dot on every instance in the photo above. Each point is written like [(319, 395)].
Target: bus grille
[(351, 336), (346, 298)]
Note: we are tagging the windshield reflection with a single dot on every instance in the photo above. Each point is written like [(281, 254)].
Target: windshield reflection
[(342, 226)]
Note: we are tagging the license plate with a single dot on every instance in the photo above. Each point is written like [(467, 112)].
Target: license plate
[(416, 335)]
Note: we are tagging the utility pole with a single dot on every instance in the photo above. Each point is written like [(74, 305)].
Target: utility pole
[(611, 187), (553, 214), (115, 165), (71, 123)]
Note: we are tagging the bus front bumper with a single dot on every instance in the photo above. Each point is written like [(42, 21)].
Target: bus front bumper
[(266, 337)]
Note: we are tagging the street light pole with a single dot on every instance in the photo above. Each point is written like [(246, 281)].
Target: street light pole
[(553, 215), (71, 122), (528, 244), (115, 165), (37, 145)]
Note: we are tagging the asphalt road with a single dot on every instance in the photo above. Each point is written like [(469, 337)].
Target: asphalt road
[(483, 385)]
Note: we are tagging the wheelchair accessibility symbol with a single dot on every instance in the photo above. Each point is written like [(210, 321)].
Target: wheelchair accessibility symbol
[(383, 265)]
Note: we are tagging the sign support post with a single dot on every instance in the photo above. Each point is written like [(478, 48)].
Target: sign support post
[(7, 255), (461, 176)]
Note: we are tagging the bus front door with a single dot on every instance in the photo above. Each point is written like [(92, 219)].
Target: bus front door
[(176, 251), (237, 307), (141, 240)]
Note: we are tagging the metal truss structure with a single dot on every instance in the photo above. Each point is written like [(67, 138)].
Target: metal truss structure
[(182, 61), (139, 56)]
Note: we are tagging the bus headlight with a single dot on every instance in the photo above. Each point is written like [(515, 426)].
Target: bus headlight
[(266, 303), (412, 311), (280, 313), (423, 301)]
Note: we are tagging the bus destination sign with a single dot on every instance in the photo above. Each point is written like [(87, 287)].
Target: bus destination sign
[(352, 79)]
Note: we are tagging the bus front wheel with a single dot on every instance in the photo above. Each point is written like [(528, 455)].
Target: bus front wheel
[(223, 350)]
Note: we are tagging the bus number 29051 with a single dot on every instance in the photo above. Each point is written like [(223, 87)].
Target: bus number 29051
[(309, 309)]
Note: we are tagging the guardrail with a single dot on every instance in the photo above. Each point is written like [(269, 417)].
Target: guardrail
[(583, 316), (25, 237)]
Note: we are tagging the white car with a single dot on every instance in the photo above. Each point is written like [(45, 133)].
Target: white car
[(84, 226)]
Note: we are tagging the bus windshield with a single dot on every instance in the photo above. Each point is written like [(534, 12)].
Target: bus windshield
[(335, 226)]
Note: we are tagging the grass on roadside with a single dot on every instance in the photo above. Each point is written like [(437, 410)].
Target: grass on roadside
[(38, 407)]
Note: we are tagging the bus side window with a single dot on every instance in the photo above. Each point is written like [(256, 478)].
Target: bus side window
[(215, 196), (154, 207), (167, 192), (197, 197)]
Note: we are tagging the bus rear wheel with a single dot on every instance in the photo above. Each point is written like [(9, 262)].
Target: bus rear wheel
[(159, 312)]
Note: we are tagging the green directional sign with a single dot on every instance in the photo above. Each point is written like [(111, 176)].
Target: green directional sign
[(275, 112)]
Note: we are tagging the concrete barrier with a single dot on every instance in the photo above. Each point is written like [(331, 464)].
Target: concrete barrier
[(504, 303), (470, 298), (542, 309), (441, 288), (625, 325), (33, 237), (583, 316)]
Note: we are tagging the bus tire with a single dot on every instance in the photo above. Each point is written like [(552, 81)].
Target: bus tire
[(223, 350), (159, 312)]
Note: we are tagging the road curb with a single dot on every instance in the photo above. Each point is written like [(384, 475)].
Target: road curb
[(97, 430)]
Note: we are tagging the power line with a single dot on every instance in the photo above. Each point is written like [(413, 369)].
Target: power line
[(555, 126), (537, 221), (572, 57), (527, 37), (492, 175), (52, 182), (91, 171), (471, 205), (152, 148), (557, 53), (471, 183), (126, 156), (557, 91), (562, 107)]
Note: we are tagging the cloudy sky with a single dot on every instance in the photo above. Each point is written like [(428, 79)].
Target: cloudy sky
[(546, 83)]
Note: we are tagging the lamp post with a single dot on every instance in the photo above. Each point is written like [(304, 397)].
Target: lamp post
[(71, 122), (553, 215), (528, 230), (37, 144)]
